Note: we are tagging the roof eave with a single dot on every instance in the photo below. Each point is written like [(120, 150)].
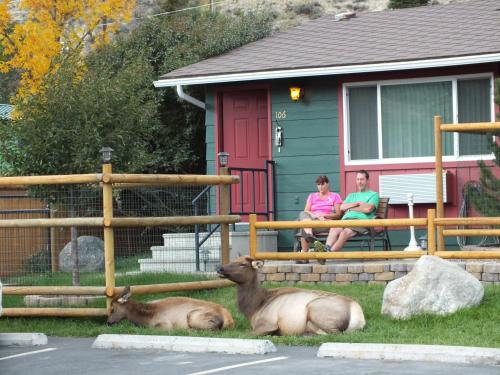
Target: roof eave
[(333, 70)]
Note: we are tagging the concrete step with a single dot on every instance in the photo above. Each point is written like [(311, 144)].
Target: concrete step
[(149, 265), (179, 240), (162, 254)]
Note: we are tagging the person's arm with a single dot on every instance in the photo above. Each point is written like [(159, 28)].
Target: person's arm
[(335, 215), (364, 207), (349, 206), (367, 207), (307, 208)]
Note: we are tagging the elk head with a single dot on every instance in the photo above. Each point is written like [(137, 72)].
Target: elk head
[(118, 306), (240, 270)]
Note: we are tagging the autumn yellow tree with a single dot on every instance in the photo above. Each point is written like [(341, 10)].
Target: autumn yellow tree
[(45, 31)]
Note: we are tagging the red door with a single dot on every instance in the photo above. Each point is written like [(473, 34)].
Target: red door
[(245, 137)]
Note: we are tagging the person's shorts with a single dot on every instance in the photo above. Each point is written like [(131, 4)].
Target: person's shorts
[(360, 230), (307, 216)]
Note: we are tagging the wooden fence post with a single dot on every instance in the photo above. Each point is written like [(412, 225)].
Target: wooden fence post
[(431, 232), (54, 255), (224, 210), (438, 145), (252, 234), (109, 238)]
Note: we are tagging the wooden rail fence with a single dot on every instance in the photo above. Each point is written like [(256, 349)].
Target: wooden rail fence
[(108, 222)]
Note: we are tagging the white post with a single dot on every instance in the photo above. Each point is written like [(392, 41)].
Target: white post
[(413, 245)]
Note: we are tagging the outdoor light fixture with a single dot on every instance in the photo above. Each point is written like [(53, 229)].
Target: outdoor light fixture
[(223, 158), (296, 93), (106, 154)]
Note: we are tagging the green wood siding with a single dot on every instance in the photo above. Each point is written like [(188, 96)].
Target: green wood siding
[(310, 144), (210, 131)]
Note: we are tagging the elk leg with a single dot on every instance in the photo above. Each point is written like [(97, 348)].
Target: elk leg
[(312, 328), (164, 325), (328, 315), (201, 319), (264, 327)]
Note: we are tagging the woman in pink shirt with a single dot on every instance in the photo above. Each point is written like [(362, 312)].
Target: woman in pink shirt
[(323, 205)]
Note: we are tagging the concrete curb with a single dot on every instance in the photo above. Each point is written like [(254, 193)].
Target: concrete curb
[(23, 339), (184, 344), (427, 353)]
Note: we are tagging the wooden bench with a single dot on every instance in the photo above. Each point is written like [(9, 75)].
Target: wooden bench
[(370, 238)]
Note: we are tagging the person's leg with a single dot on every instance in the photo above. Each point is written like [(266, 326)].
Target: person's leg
[(304, 244), (333, 234), (344, 235), (307, 233)]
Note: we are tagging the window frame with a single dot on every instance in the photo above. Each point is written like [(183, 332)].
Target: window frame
[(425, 159)]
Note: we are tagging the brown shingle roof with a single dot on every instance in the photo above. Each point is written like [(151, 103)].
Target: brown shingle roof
[(430, 32)]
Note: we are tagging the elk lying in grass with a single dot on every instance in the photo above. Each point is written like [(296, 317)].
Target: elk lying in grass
[(170, 313), (290, 311)]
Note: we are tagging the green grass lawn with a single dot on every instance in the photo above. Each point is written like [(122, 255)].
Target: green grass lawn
[(478, 326)]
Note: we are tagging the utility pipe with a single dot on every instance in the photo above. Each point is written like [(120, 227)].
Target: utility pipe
[(190, 99)]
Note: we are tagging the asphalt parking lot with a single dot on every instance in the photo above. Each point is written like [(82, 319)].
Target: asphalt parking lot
[(76, 356)]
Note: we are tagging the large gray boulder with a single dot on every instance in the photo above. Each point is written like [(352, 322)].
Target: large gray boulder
[(90, 255), (434, 286)]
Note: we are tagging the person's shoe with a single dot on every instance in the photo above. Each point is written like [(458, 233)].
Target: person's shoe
[(319, 247), (307, 236), (310, 238)]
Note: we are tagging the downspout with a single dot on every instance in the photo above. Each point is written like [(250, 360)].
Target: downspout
[(190, 99)]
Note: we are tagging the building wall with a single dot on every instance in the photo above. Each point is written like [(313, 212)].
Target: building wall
[(459, 172), (310, 143)]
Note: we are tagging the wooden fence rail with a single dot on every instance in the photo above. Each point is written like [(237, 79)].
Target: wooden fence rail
[(107, 179), (434, 222)]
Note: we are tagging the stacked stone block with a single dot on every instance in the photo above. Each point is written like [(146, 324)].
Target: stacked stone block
[(370, 272)]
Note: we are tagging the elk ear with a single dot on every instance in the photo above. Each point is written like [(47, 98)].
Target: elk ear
[(256, 264), (126, 294)]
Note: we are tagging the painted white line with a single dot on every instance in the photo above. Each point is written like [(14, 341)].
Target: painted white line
[(239, 365), (28, 353)]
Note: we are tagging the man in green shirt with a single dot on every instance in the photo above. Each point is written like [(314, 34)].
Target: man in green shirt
[(361, 205)]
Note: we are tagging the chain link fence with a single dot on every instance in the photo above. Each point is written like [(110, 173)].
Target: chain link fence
[(38, 256)]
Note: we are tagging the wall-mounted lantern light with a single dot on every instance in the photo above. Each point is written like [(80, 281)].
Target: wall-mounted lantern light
[(223, 158), (106, 154), (296, 93)]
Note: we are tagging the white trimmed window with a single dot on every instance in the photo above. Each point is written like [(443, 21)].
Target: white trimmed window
[(393, 121)]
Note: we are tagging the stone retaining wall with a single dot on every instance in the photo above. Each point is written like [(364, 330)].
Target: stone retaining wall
[(371, 272)]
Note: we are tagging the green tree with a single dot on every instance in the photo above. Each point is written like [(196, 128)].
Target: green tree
[(8, 81), (62, 130), (399, 4), (168, 43), (486, 199), (114, 103)]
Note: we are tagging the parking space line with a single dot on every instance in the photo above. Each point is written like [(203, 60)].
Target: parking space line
[(212, 371), (27, 353)]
